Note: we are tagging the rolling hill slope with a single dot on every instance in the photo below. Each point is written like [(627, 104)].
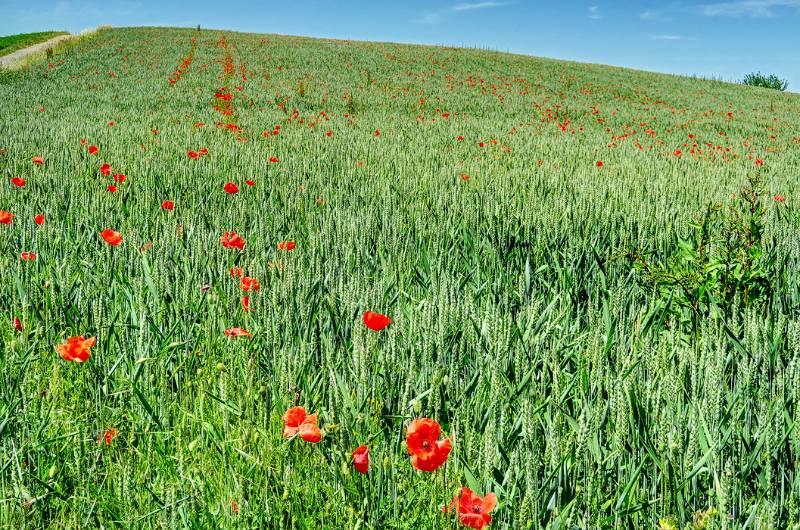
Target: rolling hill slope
[(602, 348)]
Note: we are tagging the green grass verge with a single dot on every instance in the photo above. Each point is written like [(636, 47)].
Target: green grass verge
[(12, 43)]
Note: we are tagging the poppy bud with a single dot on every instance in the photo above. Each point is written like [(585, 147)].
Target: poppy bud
[(285, 494), (193, 445), (52, 472), (417, 406), (221, 367)]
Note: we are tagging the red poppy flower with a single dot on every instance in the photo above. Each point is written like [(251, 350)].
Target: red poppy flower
[(76, 349), (39, 219), (248, 284), (237, 332), (464, 176), (28, 256), (17, 324), (112, 188), (473, 511), (167, 205), (286, 245), (111, 237), (18, 182), (428, 453), (203, 151), (296, 422), (119, 177), (361, 459), (481, 144), (599, 163), (237, 272), (192, 154), (250, 182), (246, 304), (759, 162), (232, 240), (108, 436), (376, 321), (273, 159), (6, 217), (93, 150), (329, 134), (677, 152), (460, 138), (231, 188), (779, 198), (37, 160), (105, 169), (111, 123), (377, 133)]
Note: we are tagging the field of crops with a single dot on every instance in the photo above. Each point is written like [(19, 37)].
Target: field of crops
[(200, 230)]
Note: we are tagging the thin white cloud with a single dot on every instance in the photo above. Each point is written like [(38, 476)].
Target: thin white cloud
[(476, 5), (434, 17), (749, 8), (730, 8), (667, 37), (594, 12), (654, 14)]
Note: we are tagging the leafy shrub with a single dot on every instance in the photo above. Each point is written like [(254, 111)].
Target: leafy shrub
[(719, 268), (765, 81)]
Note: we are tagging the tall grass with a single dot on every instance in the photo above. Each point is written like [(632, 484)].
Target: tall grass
[(568, 389)]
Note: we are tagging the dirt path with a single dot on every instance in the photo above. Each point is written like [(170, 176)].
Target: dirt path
[(13, 57)]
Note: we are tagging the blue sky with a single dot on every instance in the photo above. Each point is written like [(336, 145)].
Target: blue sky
[(713, 38)]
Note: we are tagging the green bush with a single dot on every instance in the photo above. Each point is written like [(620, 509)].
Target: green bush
[(765, 81), (719, 269)]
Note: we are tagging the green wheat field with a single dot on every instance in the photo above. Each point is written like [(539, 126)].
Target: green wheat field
[(592, 276)]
